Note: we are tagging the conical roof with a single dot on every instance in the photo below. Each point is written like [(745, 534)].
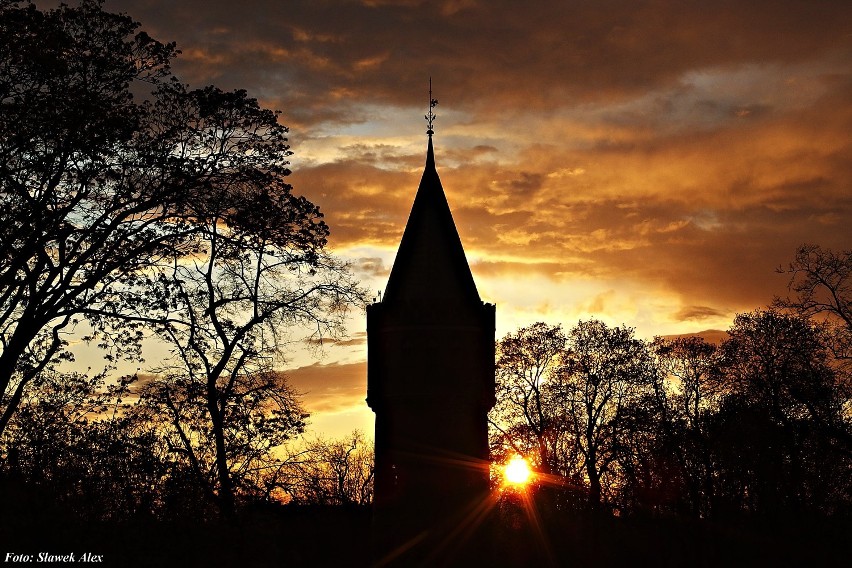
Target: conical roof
[(430, 266)]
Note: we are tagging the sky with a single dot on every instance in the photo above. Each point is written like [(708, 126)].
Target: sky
[(647, 163)]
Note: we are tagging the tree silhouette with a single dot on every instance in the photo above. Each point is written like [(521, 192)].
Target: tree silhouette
[(781, 363), (605, 370), (87, 184), (782, 425), (688, 366), (112, 173), (139, 206), (526, 419), (258, 414), (258, 272), (821, 283), (74, 442), (331, 472)]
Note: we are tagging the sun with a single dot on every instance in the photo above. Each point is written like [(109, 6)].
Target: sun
[(517, 471)]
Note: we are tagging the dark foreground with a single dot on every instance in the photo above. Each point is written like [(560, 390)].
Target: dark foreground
[(318, 536)]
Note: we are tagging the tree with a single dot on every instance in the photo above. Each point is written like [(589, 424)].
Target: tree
[(689, 362), (258, 273), (688, 366), (821, 281), (258, 415), (135, 204), (604, 371), (526, 418), (781, 429), (111, 173), (331, 472), (780, 362), (74, 441), (84, 197)]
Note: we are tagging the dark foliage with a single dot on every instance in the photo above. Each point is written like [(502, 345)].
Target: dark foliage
[(133, 206), (757, 427), (112, 175)]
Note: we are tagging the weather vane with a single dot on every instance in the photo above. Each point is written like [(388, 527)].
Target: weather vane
[(430, 118)]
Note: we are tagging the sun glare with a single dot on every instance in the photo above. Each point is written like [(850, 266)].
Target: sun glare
[(517, 471)]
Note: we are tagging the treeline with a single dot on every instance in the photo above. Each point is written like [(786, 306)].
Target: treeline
[(758, 426), (84, 448)]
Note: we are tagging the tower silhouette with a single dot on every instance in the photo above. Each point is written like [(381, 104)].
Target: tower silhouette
[(430, 382)]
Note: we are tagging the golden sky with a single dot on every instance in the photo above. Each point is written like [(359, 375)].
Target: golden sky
[(645, 162)]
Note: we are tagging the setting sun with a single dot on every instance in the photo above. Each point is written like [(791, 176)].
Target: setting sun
[(517, 471)]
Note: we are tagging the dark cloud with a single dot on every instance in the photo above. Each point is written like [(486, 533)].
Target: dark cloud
[(686, 146), (485, 55), (697, 313)]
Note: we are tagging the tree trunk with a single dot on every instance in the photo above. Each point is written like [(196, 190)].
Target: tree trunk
[(226, 492), (545, 457), (594, 481)]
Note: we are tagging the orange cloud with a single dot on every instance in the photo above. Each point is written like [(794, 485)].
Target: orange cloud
[(650, 161), (328, 388)]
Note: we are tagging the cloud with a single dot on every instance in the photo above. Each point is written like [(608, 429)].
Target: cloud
[(356, 340), (329, 388), (657, 146), (537, 57), (698, 313), (371, 267)]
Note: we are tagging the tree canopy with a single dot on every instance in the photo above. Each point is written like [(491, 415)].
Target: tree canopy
[(757, 425), (134, 206), (113, 174)]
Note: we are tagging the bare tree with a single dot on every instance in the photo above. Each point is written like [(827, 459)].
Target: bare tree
[(821, 284), (526, 418), (332, 472), (604, 371), (258, 276), (259, 414)]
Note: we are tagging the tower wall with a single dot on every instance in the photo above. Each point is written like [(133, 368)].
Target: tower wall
[(431, 385)]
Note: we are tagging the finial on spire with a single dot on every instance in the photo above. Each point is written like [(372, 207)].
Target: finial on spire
[(430, 118)]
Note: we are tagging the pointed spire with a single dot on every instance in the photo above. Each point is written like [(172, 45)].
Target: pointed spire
[(430, 268)]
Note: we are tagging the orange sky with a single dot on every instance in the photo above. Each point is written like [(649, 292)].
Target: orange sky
[(647, 163)]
